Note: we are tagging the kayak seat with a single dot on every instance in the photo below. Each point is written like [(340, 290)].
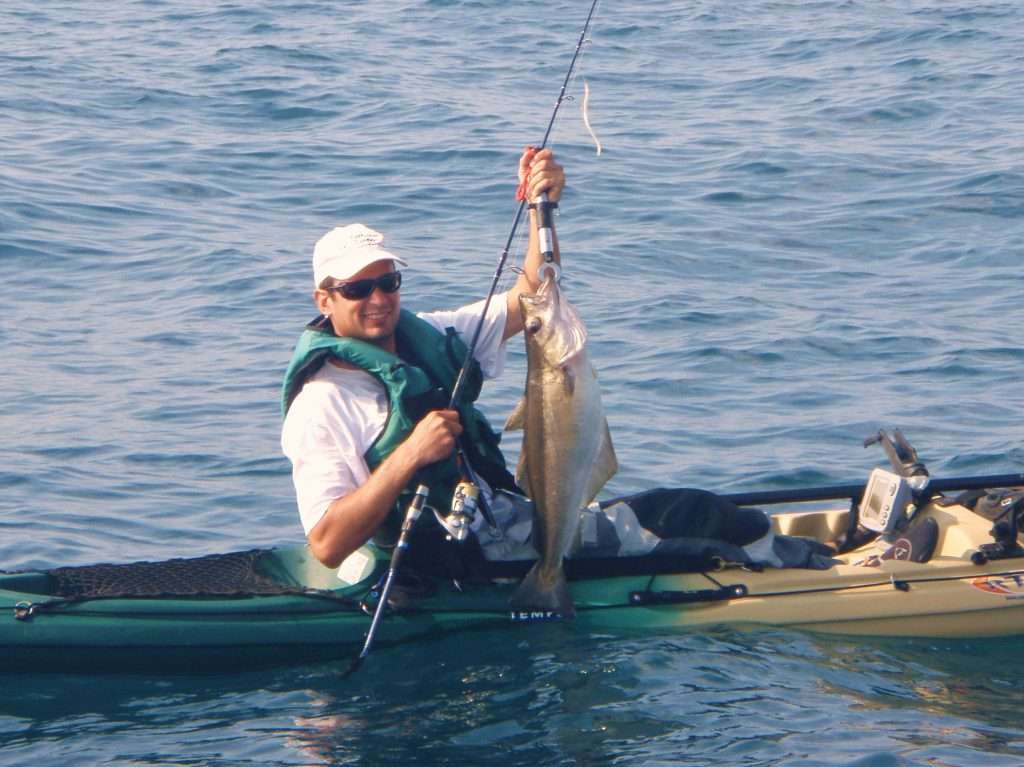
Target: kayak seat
[(696, 531), (918, 543), (685, 512)]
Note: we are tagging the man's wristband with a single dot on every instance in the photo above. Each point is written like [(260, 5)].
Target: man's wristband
[(533, 205)]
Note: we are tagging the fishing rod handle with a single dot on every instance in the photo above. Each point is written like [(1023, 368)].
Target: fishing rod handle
[(416, 505), (411, 515), (546, 239), (545, 235)]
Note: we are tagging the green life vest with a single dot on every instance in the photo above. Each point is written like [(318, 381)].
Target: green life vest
[(417, 380)]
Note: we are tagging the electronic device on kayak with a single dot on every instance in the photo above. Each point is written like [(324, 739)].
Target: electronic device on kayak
[(886, 499), (891, 497)]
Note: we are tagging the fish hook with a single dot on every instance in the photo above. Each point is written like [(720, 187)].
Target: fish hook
[(549, 266)]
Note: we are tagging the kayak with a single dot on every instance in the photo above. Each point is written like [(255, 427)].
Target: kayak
[(281, 605)]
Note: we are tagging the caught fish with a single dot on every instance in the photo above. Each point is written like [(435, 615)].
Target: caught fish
[(567, 453)]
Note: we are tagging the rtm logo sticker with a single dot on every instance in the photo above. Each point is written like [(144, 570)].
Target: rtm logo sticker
[(1009, 586), (529, 616)]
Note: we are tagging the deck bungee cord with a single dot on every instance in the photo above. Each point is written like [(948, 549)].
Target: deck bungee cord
[(546, 243), (649, 596)]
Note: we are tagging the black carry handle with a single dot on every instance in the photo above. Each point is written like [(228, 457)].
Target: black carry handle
[(856, 491)]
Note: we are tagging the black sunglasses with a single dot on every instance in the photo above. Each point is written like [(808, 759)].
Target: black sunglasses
[(360, 289)]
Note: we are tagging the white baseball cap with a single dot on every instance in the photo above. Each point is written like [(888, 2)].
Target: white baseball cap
[(346, 250)]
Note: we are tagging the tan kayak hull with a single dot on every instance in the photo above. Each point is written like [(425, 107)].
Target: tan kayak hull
[(948, 596)]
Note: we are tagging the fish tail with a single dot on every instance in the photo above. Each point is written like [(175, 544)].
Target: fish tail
[(536, 594)]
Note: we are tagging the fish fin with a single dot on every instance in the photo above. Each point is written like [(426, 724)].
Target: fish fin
[(517, 418), (534, 594), (605, 466), (523, 476), (575, 340)]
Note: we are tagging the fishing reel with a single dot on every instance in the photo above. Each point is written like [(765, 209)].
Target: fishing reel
[(464, 506), (891, 498)]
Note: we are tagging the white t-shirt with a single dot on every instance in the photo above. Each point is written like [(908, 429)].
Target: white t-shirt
[(339, 413)]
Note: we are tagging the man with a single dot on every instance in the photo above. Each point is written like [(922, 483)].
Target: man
[(366, 393), (367, 419)]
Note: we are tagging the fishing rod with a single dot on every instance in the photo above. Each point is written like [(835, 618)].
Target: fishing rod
[(546, 246), (543, 216)]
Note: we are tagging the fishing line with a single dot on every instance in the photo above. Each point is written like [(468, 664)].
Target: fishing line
[(576, 72), (522, 238)]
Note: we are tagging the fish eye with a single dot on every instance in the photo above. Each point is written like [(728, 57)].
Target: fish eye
[(533, 324)]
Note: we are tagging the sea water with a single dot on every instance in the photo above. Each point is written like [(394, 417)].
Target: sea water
[(807, 224)]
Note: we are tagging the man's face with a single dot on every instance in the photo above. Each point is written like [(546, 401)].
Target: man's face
[(373, 318)]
